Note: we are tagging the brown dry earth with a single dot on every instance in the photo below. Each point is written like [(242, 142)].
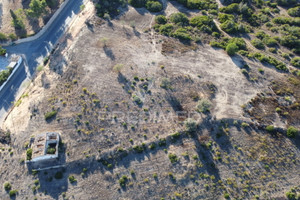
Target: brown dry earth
[(220, 157)]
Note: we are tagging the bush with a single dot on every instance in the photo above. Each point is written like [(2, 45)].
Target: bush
[(2, 51), (225, 17), (294, 12), (72, 179), (296, 62), (291, 195), (154, 6), (123, 180), (231, 49), (13, 193), (270, 42), (160, 19), (182, 34), (137, 3), (173, 158), (4, 74), (232, 8), (190, 125), (7, 186), (203, 105), (29, 154), (291, 132), (270, 128), (50, 115), (3, 37), (229, 26), (179, 18), (166, 29), (257, 43), (240, 42)]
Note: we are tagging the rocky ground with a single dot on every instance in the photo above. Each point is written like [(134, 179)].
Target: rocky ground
[(122, 95)]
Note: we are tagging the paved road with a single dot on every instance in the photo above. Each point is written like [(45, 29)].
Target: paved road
[(34, 51)]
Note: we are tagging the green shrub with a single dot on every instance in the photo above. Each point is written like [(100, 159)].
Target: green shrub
[(154, 6), (270, 128), (229, 26), (257, 43), (161, 19), (123, 180), (179, 18), (232, 8), (270, 42), (199, 21), (72, 179), (182, 34), (190, 125), (137, 3), (173, 158), (291, 195), (225, 17), (2, 51), (240, 42), (231, 49), (3, 37), (4, 74), (50, 115), (166, 29), (203, 105), (7, 186), (29, 154), (294, 12), (291, 132), (13, 193), (162, 142), (296, 62)]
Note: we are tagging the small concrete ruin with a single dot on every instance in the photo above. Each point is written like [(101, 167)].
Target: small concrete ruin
[(45, 147)]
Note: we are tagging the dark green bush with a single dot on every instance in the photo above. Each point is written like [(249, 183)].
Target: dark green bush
[(291, 132), (229, 26), (257, 43), (7, 186), (13, 193), (232, 8), (50, 115), (154, 6), (296, 62), (123, 180), (110, 7), (270, 128), (4, 74), (166, 29), (224, 17), (173, 158), (294, 12), (270, 42), (231, 49), (2, 51), (3, 37), (72, 179), (182, 34), (179, 18), (29, 154), (161, 19), (240, 42)]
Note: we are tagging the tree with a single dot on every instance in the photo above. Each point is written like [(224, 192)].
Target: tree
[(231, 49), (2, 51), (37, 8)]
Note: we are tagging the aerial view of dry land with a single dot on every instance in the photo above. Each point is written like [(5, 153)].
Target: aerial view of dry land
[(152, 99)]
